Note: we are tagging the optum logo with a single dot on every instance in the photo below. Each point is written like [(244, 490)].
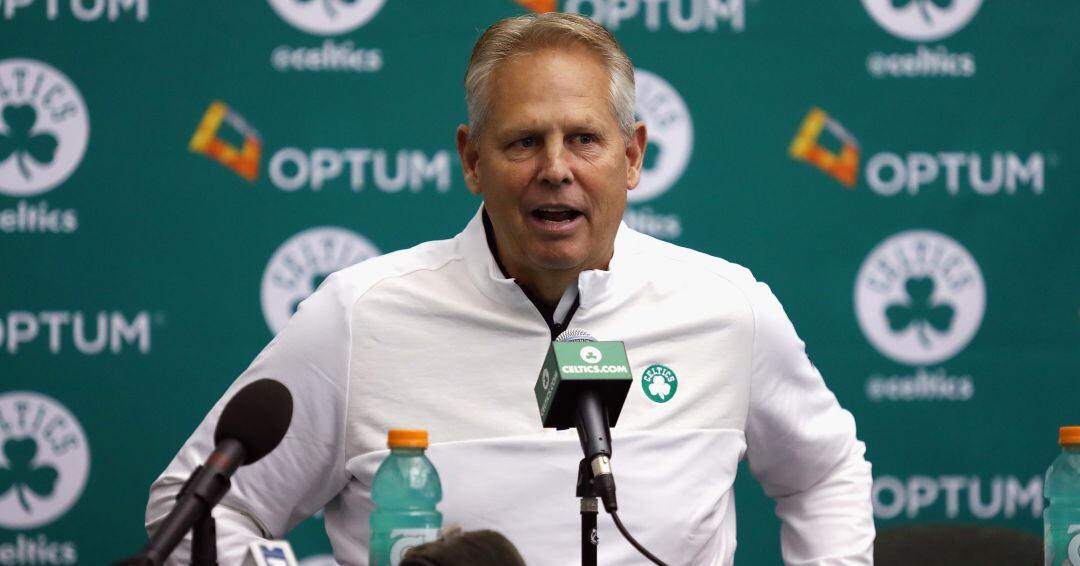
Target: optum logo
[(889, 173), (292, 169), (822, 141), (89, 333), (954, 496)]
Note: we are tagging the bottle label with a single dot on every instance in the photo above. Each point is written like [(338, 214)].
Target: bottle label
[(1074, 545), (401, 540), (1062, 545)]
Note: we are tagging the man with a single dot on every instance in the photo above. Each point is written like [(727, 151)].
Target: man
[(448, 336)]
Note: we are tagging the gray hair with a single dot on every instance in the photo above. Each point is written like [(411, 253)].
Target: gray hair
[(532, 32)]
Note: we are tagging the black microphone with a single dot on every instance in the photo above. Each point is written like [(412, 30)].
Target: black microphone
[(252, 424), (583, 384)]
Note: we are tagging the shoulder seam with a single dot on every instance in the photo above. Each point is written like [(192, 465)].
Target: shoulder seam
[(406, 273)]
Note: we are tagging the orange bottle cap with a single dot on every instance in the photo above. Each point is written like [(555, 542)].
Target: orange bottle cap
[(399, 438), (1069, 435)]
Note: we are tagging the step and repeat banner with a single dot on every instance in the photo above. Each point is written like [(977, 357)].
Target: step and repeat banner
[(175, 177)]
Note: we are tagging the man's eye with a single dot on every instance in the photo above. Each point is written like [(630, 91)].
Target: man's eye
[(526, 142), (586, 138)]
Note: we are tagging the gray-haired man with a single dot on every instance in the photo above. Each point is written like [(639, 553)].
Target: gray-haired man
[(448, 335)]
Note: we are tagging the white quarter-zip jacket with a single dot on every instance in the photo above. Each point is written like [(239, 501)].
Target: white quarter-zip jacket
[(436, 337)]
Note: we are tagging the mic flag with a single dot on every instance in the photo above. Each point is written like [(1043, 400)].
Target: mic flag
[(270, 553), (572, 367)]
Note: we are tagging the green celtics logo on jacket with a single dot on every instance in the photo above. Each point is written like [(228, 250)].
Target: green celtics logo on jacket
[(659, 383)]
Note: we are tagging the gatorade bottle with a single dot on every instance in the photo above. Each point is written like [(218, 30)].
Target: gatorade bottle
[(1061, 520), (406, 489)]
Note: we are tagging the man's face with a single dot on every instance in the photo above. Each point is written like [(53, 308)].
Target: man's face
[(551, 163)]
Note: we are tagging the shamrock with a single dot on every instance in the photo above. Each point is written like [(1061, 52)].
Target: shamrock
[(590, 356), (328, 5), (659, 387), (21, 473), (922, 4), (20, 122), (919, 310)]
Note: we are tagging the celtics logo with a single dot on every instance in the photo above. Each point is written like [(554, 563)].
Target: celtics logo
[(659, 383), (327, 17), (44, 126), (920, 297), (301, 264), (671, 135), (591, 355), (44, 463)]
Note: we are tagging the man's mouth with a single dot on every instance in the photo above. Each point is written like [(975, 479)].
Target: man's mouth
[(556, 213)]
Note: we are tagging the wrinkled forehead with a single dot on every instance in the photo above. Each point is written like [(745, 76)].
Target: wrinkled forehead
[(567, 85)]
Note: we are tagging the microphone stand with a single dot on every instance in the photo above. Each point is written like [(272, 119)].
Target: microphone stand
[(203, 534), (204, 541), (206, 485), (586, 490)]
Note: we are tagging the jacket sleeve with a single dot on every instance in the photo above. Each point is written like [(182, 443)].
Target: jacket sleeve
[(268, 498), (802, 448)]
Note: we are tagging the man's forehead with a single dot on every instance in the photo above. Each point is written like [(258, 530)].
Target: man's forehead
[(556, 86), (526, 118), (570, 68)]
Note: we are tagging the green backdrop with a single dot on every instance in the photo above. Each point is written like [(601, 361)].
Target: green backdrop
[(904, 175)]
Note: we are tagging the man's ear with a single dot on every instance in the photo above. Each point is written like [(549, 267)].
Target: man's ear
[(635, 155), (469, 153)]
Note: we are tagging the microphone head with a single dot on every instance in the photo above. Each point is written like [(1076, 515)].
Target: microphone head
[(575, 363), (575, 335), (256, 417)]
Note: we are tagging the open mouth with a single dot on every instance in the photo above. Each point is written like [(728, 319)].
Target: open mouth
[(556, 214)]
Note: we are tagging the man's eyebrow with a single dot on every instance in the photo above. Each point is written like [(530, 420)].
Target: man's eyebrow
[(588, 127)]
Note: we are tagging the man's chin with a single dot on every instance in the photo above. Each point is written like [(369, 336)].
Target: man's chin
[(555, 257)]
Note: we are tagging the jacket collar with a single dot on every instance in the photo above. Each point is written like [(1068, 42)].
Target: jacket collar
[(594, 286)]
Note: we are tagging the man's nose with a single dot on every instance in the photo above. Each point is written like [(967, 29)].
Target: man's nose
[(555, 168)]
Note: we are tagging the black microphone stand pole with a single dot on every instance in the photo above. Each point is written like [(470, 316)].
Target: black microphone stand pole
[(204, 541), (206, 485), (586, 490)]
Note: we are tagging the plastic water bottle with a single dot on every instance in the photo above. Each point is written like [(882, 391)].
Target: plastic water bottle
[(1061, 519), (406, 489)]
